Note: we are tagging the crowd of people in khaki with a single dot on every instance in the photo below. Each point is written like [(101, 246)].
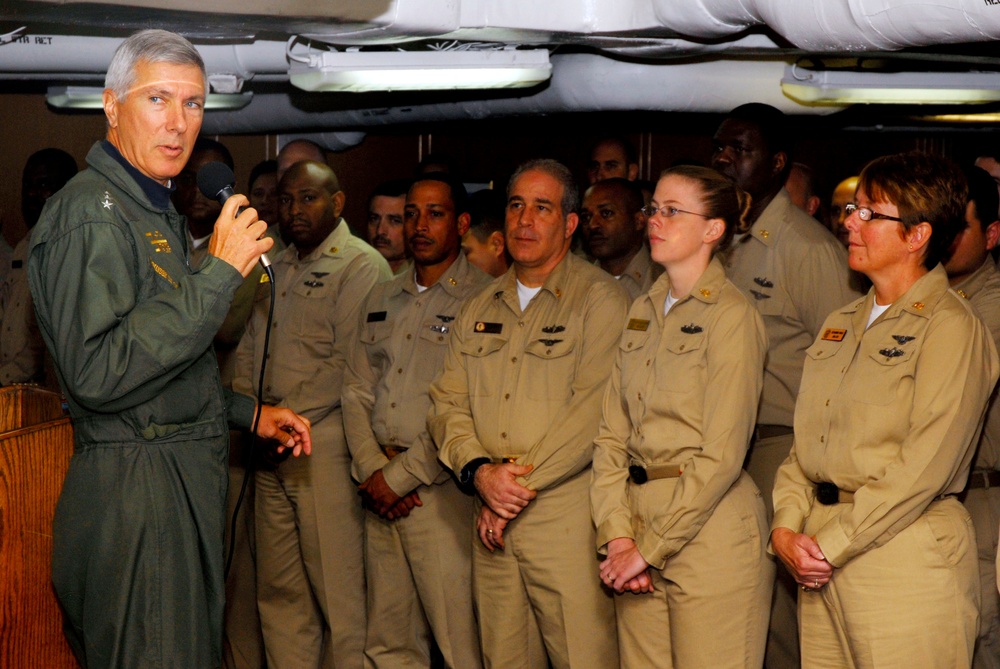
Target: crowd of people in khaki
[(672, 424)]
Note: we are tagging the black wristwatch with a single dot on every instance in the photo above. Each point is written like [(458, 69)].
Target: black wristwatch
[(467, 477)]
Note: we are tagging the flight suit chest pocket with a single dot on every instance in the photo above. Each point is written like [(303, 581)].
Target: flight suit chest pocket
[(484, 363), (549, 369), (680, 365)]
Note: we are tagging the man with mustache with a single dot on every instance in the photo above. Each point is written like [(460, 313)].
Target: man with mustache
[(615, 231), (310, 541), (795, 272), (515, 413), (385, 222), (418, 556)]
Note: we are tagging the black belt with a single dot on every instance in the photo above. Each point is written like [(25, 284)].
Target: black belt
[(983, 480), (641, 474), (828, 494)]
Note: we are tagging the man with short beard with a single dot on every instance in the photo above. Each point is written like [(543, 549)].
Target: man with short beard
[(310, 532), (615, 231), (417, 554)]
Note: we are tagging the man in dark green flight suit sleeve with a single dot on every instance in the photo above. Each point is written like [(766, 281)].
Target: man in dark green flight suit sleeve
[(138, 557)]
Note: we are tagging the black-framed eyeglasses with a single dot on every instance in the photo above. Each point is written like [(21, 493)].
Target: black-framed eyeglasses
[(668, 212), (867, 213)]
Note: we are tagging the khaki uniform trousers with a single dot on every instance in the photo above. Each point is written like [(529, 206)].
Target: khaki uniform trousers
[(710, 604), (983, 504), (765, 456), (243, 644), (310, 557), (913, 602), (420, 583), (542, 594)]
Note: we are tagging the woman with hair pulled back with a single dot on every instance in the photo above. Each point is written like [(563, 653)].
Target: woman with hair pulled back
[(683, 526)]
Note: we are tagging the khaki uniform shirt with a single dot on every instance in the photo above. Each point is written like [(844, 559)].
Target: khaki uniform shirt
[(22, 351), (982, 289), (640, 274), (401, 344), (529, 384), (315, 319), (892, 414), (683, 391), (795, 272)]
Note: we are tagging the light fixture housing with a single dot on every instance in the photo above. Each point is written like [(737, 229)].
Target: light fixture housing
[(92, 97), (842, 87), (367, 71)]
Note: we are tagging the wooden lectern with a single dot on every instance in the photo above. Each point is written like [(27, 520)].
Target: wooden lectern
[(36, 442)]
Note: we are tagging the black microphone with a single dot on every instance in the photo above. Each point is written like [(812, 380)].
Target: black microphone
[(215, 181)]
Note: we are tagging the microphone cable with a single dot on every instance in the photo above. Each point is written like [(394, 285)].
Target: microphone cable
[(250, 460)]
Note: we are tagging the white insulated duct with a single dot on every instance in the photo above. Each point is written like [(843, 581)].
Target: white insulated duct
[(579, 83), (839, 25)]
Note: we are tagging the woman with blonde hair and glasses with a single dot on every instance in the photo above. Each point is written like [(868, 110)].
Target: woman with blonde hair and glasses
[(890, 408), (683, 527)]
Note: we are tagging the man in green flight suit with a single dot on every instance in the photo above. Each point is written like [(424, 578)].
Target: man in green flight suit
[(138, 559)]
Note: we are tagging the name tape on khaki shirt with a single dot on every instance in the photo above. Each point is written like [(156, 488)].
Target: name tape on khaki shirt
[(833, 334), (637, 324), (488, 328)]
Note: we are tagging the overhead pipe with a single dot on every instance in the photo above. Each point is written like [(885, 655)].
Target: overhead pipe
[(838, 25), (578, 84)]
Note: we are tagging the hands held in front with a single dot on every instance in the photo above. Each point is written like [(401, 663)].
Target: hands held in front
[(237, 239), (380, 498), (497, 486), (625, 569), (286, 427), (490, 527), (803, 557)]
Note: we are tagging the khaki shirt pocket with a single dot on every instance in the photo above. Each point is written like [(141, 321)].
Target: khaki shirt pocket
[(683, 365), (881, 376), (310, 321), (436, 332), (484, 365), (775, 304), (549, 369), (374, 338)]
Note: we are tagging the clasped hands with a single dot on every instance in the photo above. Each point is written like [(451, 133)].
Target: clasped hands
[(377, 496), (504, 498), (803, 557)]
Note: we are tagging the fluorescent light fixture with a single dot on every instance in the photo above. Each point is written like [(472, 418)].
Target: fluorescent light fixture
[(840, 87), (361, 71), (991, 117), (92, 97)]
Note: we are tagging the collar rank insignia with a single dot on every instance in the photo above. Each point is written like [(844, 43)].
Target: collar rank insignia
[(445, 319), (891, 352), (376, 316), (763, 282), (918, 305), (553, 329), (690, 328), (488, 328), (497, 295), (902, 339), (550, 342), (107, 203), (833, 334), (639, 324), (759, 295), (443, 329)]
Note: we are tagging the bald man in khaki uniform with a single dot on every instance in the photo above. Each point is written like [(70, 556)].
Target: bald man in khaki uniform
[(974, 276), (418, 559), (514, 414), (310, 532), (795, 273)]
